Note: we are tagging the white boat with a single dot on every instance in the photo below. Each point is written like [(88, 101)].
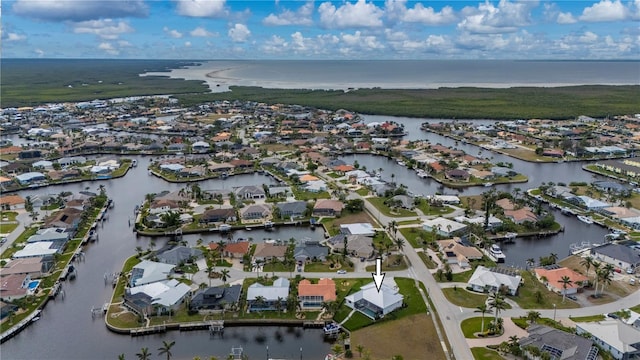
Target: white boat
[(35, 319), (488, 184), (497, 253), (224, 227), (401, 163), (585, 219), (134, 162)]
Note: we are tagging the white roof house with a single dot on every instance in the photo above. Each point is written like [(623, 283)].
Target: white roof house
[(171, 167), (365, 229), (491, 279), (447, 199), (493, 221), (444, 227), (279, 289), (40, 248), (149, 271), (166, 293), (622, 340), (373, 303)]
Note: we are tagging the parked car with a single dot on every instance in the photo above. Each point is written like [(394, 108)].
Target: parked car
[(612, 315), (573, 297), (3, 240), (342, 272)]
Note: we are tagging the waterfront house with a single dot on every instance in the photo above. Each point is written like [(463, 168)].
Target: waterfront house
[(216, 298), (622, 341), (174, 168), (455, 252), (268, 298), (30, 178), (457, 175), (147, 272), (13, 287), (493, 279), (375, 304), (558, 343), (156, 298), (311, 296), (11, 202), (60, 175), (200, 147), (266, 252), (179, 255), (7, 309), (327, 207), (551, 277), (255, 212), (310, 250), (226, 215), (357, 245), (521, 215), (250, 192), (215, 167), (37, 249), (620, 256), (35, 267), (443, 226), (67, 218), (59, 236), (73, 160), (42, 165), (364, 229), (162, 206), (293, 209), (588, 202), (233, 250)]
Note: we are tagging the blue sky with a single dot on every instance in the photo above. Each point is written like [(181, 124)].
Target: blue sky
[(351, 29)]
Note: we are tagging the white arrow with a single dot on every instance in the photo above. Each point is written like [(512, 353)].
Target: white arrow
[(377, 276)]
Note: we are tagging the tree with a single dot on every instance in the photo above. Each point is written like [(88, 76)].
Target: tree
[(497, 303), (209, 273), (533, 316), (221, 245), (224, 275), (587, 262), (482, 309), (144, 354), (121, 357), (170, 219), (165, 349), (565, 281), (530, 262), (553, 257), (359, 349), (259, 301), (400, 244), (330, 307), (488, 201)]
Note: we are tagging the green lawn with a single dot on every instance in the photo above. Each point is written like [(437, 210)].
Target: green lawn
[(326, 266), (7, 228), (8, 215), (480, 353), (636, 308), (592, 318), (378, 202), (416, 236), (18, 243), (362, 191), (410, 222), (427, 209), (430, 264), (463, 297), (391, 263), (473, 325)]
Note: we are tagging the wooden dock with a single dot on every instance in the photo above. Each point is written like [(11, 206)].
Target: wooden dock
[(149, 330)]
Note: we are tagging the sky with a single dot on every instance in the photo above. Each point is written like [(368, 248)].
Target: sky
[(349, 29)]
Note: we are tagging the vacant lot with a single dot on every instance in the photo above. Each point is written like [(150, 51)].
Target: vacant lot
[(333, 225), (395, 338)]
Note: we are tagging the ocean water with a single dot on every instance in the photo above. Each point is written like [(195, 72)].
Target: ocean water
[(408, 74)]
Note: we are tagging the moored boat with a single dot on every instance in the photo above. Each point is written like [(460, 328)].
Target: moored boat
[(497, 253), (585, 219)]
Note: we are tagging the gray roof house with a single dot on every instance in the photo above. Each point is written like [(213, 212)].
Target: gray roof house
[(265, 298), (250, 192), (360, 246), (311, 250), (295, 209), (560, 344), (255, 211), (178, 255), (621, 340), (620, 256), (215, 298)]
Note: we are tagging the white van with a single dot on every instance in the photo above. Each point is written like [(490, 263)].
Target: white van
[(632, 281)]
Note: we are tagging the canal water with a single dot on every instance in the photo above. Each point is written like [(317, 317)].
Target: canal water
[(67, 331)]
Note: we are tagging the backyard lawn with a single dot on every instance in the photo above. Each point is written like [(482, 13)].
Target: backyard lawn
[(463, 297), (378, 202), (481, 353)]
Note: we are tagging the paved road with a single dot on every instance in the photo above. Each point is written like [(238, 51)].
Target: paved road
[(23, 220)]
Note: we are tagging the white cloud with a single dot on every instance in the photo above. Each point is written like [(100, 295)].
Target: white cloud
[(566, 18), (349, 15), (73, 10), (588, 37), (605, 10), (274, 45), (364, 42), (39, 52), (10, 36), (428, 16), (202, 8), (239, 33), (187, 43), (107, 29), (302, 16), (489, 19), (487, 42), (172, 32), (108, 48), (201, 32)]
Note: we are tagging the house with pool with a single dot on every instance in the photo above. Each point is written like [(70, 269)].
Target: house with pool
[(375, 304)]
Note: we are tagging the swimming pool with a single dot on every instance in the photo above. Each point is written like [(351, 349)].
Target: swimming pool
[(33, 285)]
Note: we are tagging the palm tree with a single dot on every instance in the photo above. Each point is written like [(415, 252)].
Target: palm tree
[(553, 257), (587, 262), (533, 316), (565, 281), (330, 306), (482, 309), (359, 349), (278, 304), (121, 357), (497, 303), (596, 267), (224, 275), (605, 276), (400, 243), (165, 349), (530, 262), (144, 354), (259, 301), (221, 245), (209, 273)]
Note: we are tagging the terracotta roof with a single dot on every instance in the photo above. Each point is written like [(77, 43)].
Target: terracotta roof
[(325, 288), (11, 199), (241, 247), (343, 168), (554, 276)]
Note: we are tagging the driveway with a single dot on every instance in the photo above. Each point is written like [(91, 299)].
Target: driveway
[(510, 329)]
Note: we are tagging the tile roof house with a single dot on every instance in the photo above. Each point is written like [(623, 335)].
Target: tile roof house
[(492, 279), (457, 253), (163, 206), (35, 267), (311, 296), (268, 298), (179, 255), (554, 275), (255, 212), (521, 215), (14, 287), (147, 272), (621, 340), (327, 207), (215, 298), (560, 344), (250, 192), (266, 252), (67, 218), (373, 303), (218, 215), (11, 202)]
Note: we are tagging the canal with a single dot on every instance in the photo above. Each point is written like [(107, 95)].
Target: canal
[(66, 329)]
